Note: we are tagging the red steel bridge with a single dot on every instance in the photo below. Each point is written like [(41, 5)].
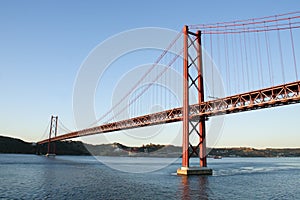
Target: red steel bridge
[(258, 62)]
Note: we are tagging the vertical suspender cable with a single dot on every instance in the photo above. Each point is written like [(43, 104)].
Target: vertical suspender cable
[(227, 64), (268, 56), (280, 51), (293, 49), (235, 48), (212, 65), (234, 65), (251, 64), (242, 62), (246, 59), (259, 59)]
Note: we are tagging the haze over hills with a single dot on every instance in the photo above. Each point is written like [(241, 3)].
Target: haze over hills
[(13, 145)]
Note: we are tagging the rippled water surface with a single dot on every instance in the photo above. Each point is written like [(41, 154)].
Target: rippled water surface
[(84, 177)]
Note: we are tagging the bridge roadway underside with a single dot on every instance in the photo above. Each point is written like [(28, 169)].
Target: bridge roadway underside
[(269, 97)]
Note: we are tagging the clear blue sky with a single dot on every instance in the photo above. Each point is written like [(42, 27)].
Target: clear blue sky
[(43, 44)]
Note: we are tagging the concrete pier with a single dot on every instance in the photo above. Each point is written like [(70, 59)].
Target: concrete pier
[(52, 155), (194, 171)]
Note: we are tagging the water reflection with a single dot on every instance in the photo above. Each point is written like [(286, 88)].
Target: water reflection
[(194, 186)]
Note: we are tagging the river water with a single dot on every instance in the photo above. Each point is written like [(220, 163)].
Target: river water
[(84, 177)]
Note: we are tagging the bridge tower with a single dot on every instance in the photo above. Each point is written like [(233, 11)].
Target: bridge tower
[(192, 60), (53, 131)]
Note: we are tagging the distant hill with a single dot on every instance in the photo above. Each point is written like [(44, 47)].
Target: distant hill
[(251, 152), (13, 145)]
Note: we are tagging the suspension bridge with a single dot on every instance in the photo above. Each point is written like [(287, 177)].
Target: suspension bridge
[(225, 68)]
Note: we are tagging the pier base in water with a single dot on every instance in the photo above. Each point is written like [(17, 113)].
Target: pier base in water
[(52, 155), (194, 171)]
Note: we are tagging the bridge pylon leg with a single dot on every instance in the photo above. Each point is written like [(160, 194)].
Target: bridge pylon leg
[(193, 80), (51, 152)]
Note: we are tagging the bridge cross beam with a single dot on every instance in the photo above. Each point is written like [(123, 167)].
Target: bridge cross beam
[(192, 42)]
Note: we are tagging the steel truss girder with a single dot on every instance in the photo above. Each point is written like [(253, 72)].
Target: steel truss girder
[(259, 99)]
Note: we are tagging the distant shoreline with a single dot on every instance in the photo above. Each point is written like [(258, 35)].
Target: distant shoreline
[(17, 146)]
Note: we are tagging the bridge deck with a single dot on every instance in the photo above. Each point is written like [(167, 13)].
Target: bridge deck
[(269, 97)]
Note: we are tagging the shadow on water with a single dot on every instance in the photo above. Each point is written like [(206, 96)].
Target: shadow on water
[(194, 186)]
